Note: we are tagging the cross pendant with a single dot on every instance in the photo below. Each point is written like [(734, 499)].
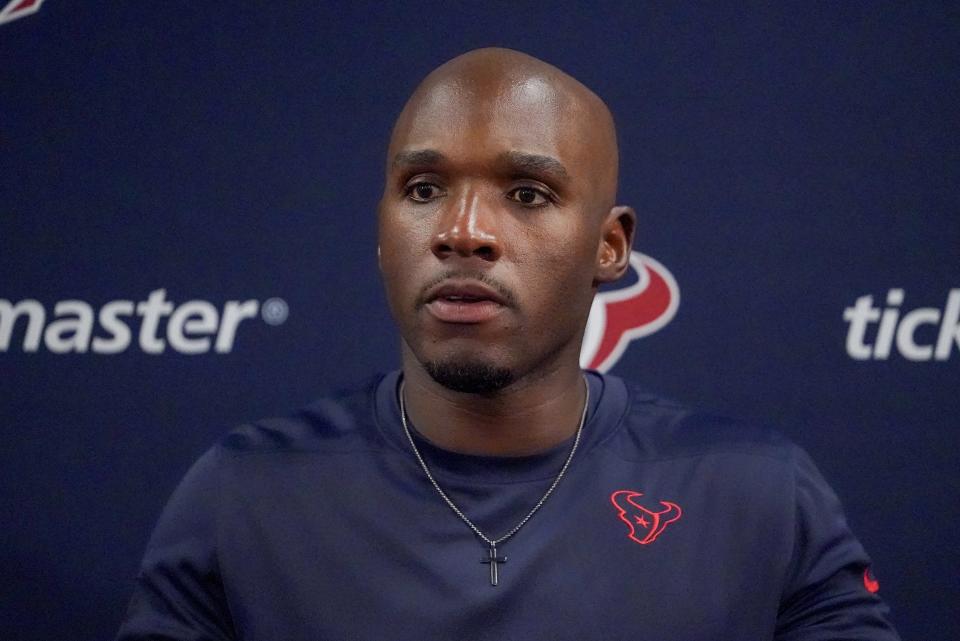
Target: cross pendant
[(492, 559)]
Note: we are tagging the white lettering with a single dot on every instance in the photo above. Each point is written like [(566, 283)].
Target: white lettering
[(908, 327), (194, 327), (950, 329), (904, 330), (888, 323), (197, 318), (859, 316), (71, 334), (8, 318), (119, 338), (152, 310), (233, 312)]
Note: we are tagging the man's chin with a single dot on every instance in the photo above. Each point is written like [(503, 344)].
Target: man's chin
[(470, 378)]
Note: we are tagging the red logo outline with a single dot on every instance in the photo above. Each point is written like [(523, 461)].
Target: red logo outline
[(633, 514), (869, 582)]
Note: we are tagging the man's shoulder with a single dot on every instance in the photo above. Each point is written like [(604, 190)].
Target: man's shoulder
[(658, 428), (343, 420)]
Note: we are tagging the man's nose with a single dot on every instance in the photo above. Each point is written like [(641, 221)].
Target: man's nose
[(468, 228)]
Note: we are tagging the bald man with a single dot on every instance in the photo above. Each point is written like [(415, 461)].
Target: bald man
[(491, 489)]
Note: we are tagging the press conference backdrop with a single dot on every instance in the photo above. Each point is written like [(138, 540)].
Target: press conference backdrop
[(187, 241)]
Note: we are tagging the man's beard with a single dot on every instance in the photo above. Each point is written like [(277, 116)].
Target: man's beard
[(472, 378)]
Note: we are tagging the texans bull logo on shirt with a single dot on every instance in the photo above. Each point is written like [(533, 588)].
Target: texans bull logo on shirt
[(645, 524)]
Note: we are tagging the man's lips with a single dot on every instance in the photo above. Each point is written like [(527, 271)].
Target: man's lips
[(464, 302)]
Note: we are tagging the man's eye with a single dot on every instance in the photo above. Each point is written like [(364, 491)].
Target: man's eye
[(424, 192), (528, 196)]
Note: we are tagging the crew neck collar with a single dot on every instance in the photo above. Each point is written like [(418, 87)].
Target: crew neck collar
[(608, 403)]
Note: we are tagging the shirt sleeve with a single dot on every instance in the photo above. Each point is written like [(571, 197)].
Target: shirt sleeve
[(179, 593), (829, 595)]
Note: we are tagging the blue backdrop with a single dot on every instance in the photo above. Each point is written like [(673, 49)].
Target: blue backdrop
[(187, 241)]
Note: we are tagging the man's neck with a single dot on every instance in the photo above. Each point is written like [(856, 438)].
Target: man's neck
[(527, 417)]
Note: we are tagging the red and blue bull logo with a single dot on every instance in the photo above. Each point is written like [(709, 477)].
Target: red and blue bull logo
[(620, 316)]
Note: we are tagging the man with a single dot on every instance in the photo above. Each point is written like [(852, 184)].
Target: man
[(493, 490)]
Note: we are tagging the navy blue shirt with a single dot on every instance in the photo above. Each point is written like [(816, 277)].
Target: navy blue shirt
[(669, 525)]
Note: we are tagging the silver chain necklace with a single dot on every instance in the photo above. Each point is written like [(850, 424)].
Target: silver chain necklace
[(492, 558)]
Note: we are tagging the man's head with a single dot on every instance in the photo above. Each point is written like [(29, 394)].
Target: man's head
[(497, 221)]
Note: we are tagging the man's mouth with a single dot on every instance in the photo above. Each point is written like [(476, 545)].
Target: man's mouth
[(466, 302)]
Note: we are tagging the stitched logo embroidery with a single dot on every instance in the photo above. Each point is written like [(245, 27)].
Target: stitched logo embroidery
[(645, 524)]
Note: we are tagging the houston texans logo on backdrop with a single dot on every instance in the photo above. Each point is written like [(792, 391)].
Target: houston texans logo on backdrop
[(19, 8), (645, 524), (619, 316)]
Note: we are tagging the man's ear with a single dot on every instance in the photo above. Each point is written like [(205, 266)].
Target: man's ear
[(616, 242)]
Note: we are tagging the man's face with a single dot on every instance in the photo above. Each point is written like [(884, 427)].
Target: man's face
[(490, 224)]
